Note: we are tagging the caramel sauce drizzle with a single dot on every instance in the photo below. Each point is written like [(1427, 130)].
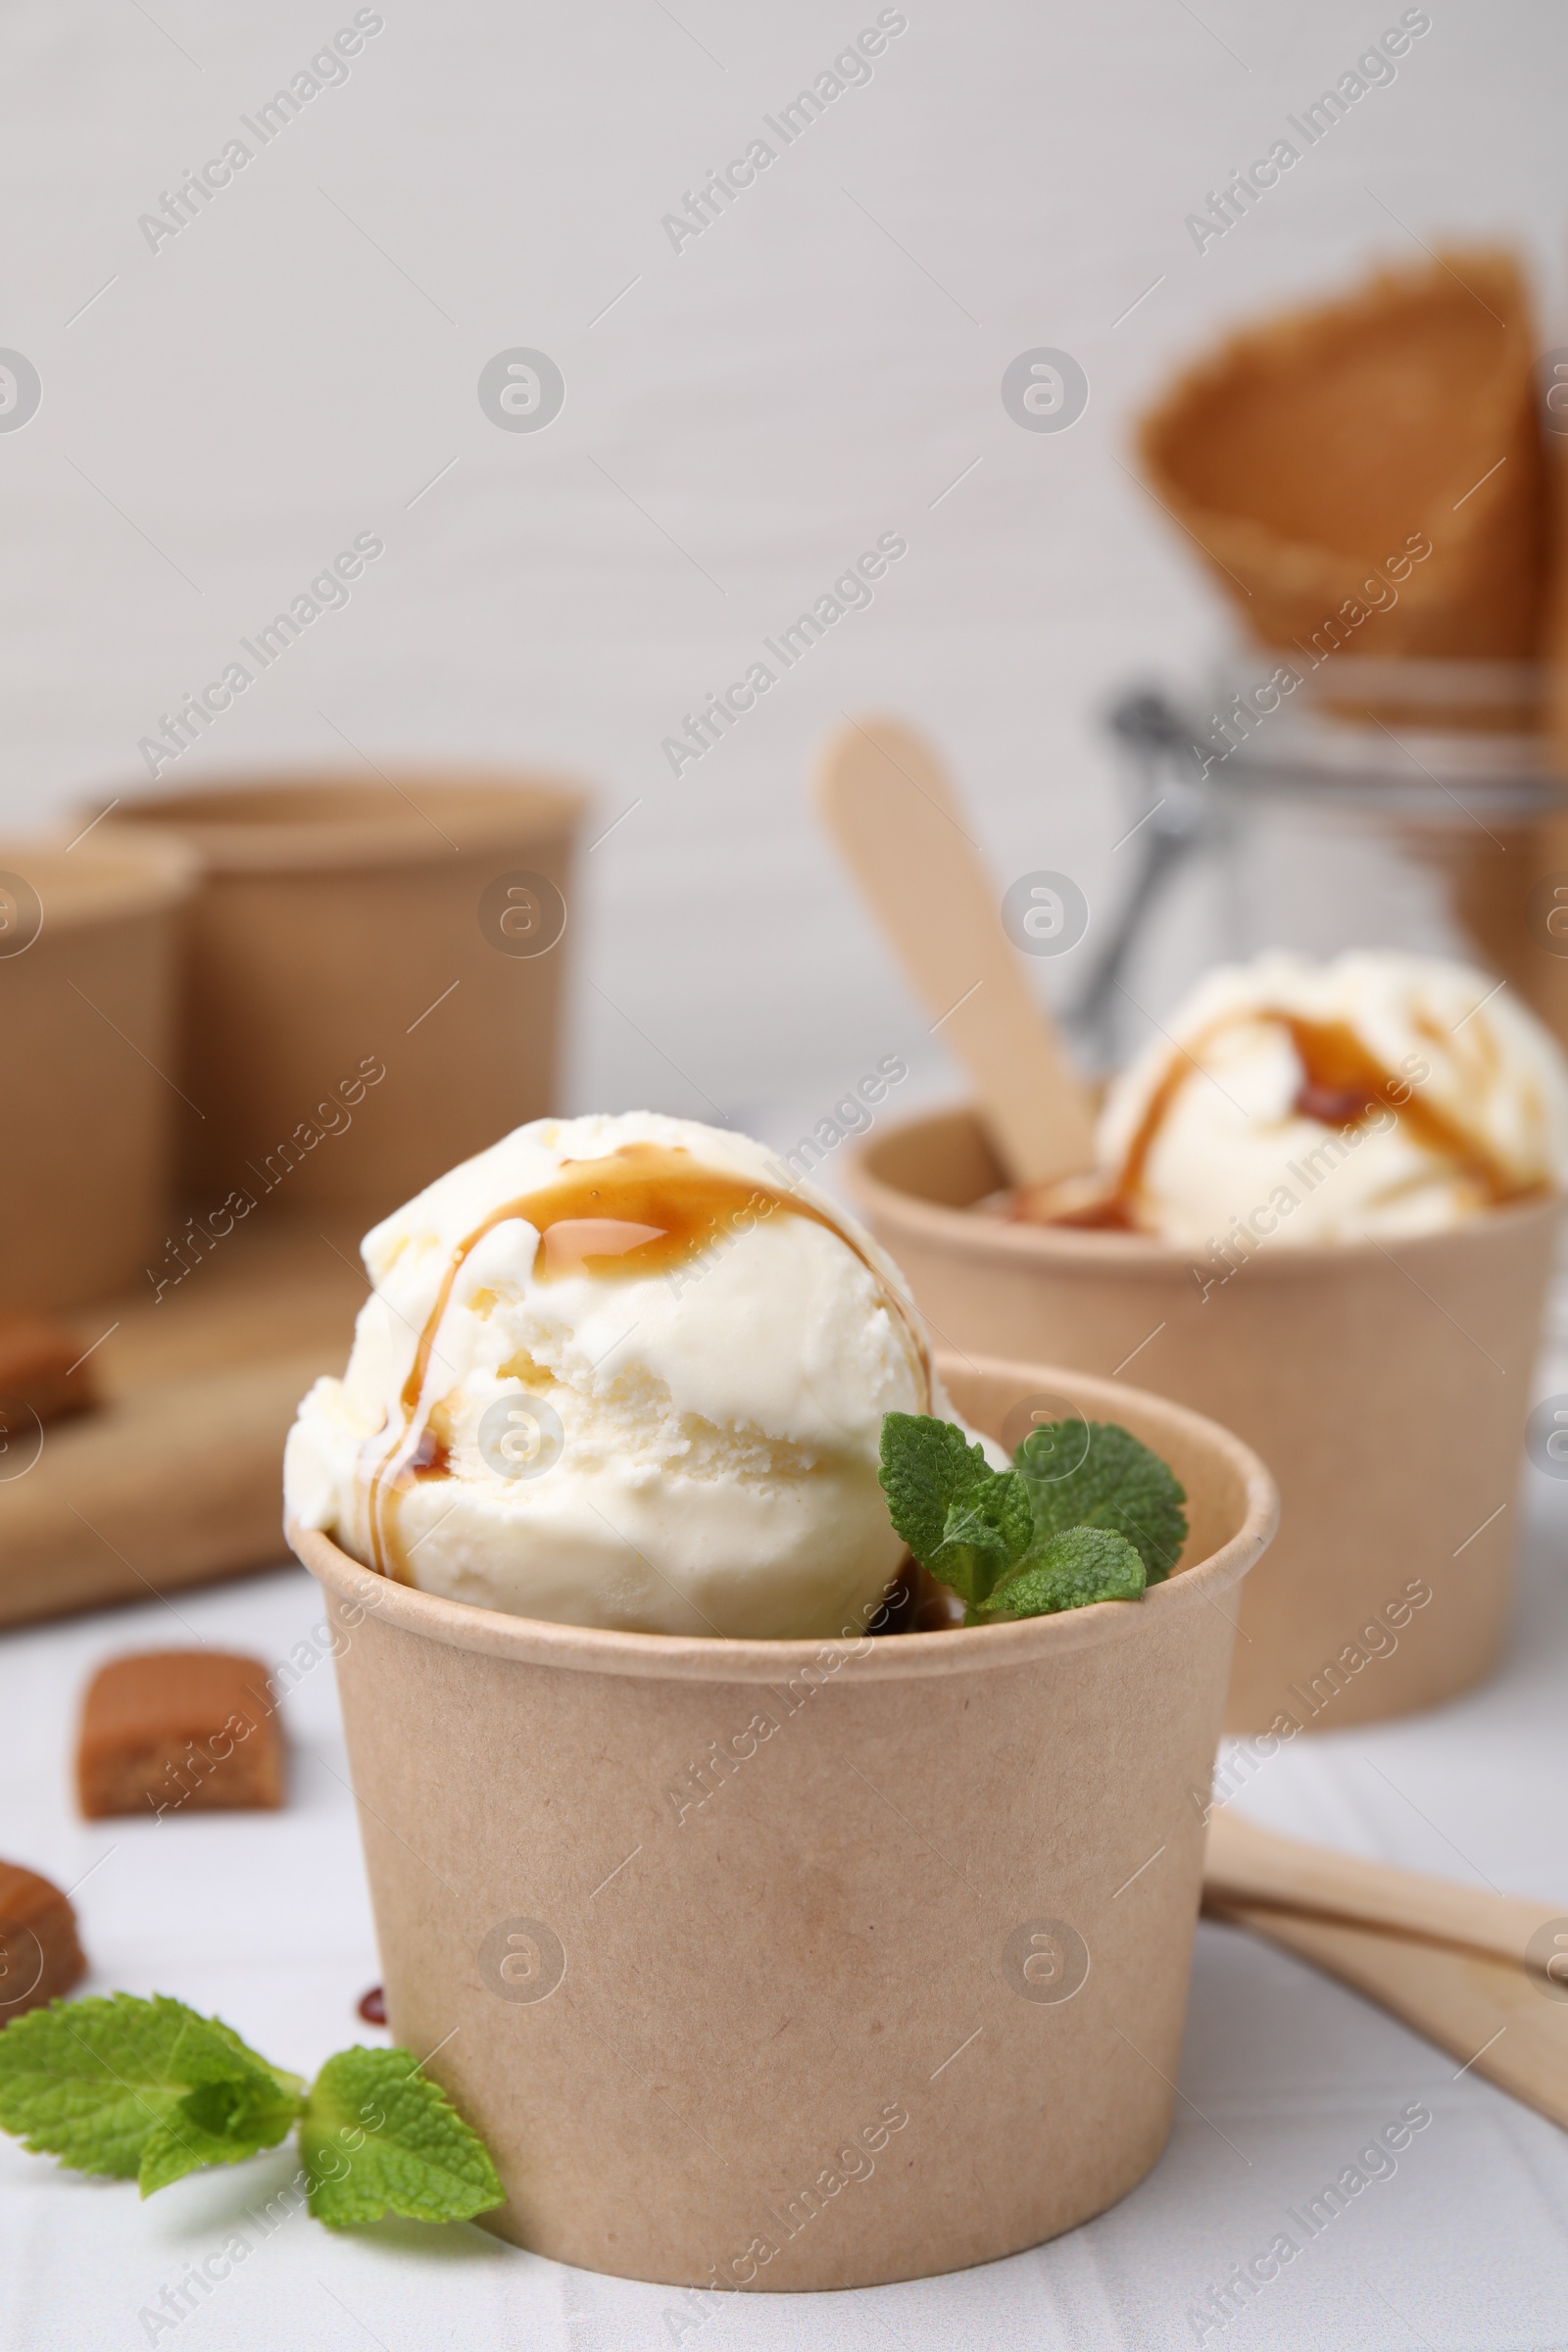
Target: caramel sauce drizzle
[(1342, 1083), (646, 1208)]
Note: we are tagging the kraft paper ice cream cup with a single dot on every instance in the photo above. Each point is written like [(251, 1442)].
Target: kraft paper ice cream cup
[(782, 1964), (410, 928), (1385, 1386), (88, 955)]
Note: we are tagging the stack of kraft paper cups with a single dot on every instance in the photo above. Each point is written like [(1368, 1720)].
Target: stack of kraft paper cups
[(898, 1931)]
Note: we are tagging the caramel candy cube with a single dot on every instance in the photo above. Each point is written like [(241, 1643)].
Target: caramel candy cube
[(43, 1369), (39, 1955), (173, 1731)]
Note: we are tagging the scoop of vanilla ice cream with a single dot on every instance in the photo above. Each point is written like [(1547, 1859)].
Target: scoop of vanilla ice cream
[(1292, 1101), (691, 1449)]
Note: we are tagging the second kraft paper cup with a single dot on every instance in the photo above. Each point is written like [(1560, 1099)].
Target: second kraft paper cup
[(372, 984), (790, 1964), (1386, 1387)]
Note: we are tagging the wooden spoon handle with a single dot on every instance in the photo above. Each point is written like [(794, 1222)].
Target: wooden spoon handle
[(1491, 2016), (1253, 1867), (887, 803)]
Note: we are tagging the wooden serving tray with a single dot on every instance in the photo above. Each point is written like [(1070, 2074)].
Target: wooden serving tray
[(176, 1478)]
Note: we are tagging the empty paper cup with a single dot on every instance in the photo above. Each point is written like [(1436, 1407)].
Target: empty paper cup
[(88, 1064), (372, 977), (1385, 1386), (803, 1964)]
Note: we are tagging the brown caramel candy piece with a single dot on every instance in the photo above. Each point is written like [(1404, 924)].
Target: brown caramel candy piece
[(173, 1731), (39, 1955), (41, 1368)]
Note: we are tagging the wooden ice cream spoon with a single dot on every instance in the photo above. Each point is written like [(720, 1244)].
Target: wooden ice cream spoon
[(1249, 1864), (1484, 1976), (885, 799)]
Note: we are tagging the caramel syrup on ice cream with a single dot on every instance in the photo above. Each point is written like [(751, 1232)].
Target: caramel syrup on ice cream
[(644, 1210), (1342, 1083)]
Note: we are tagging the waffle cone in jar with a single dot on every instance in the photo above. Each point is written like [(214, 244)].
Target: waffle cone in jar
[(1309, 452), (1502, 877)]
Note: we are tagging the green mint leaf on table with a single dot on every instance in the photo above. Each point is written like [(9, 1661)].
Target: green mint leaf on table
[(377, 2137), (964, 1522), (149, 2090), (1069, 1571), (1118, 1484), (139, 2089)]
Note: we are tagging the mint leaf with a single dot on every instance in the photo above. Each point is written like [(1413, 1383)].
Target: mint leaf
[(1069, 1571), (996, 1518), (1120, 1484), (377, 2137), (964, 1522), (138, 2089), (927, 1467), (219, 2123), (151, 2090)]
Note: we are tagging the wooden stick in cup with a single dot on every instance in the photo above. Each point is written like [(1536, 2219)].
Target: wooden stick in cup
[(886, 801)]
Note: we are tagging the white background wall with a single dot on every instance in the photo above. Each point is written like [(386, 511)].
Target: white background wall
[(814, 369)]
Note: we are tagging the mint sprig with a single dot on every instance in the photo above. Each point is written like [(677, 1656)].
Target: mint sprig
[(1088, 1513), (1098, 1474), (150, 2090), (143, 2090), (377, 2137)]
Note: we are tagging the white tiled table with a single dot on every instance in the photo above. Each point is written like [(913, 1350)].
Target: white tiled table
[(1284, 2077)]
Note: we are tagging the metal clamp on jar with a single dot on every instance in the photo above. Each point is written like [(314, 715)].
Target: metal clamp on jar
[(1318, 805)]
